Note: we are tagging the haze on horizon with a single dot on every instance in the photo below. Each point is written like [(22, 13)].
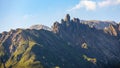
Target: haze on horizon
[(24, 13)]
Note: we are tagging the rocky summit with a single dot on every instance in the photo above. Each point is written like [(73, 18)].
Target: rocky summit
[(69, 44), (39, 27)]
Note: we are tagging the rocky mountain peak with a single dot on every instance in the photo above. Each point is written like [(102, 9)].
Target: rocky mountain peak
[(67, 18), (39, 27), (76, 20), (69, 25), (62, 21), (55, 27)]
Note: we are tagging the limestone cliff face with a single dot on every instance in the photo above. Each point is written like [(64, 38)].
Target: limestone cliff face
[(70, 44), (111, 30)]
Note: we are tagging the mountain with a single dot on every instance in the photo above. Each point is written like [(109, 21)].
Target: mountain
[(98, 24), (69, 44), (38, 27)]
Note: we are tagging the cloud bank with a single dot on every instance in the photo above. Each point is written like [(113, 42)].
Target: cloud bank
[(89, 5), (108, 3), (92, 5)]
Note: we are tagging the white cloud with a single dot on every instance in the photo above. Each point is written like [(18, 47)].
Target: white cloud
[(108, 3), (91, 5), (87, 4)]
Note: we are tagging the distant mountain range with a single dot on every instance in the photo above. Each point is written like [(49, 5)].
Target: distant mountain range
[(98, 24), (38, 27), (72, 43)]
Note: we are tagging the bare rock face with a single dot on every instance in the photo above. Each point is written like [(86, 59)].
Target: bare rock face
[(111, 30)]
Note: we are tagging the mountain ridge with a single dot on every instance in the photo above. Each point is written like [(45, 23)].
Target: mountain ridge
[(70, 44), (39, 26)]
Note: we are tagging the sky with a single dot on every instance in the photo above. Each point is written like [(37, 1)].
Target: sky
[(24, 13)]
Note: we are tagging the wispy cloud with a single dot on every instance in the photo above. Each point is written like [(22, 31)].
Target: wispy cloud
[(92, 5), (89, 5), (108, 3)]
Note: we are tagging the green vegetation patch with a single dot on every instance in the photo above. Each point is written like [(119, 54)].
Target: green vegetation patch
[(84, 45), (93, 60), (2, 53)]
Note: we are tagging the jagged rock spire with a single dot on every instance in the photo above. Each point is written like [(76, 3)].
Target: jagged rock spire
[(67, 18), (62, 21), (119, 26), (76, 20), (55, 27)]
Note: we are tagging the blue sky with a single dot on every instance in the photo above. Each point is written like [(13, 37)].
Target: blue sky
[(24, 13)]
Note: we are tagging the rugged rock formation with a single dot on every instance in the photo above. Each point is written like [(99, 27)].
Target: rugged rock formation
[(67, 18), (111, 30)]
